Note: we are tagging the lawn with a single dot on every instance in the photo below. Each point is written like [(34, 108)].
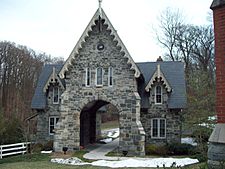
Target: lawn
[(110, 125), (42, 161)]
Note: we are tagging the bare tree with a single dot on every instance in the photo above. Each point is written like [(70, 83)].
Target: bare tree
[(170, 24)]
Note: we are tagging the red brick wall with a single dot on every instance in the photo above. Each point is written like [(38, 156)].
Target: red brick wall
[(219, 28)]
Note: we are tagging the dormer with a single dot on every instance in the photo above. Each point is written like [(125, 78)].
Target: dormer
[(158, 86), (53, 88)]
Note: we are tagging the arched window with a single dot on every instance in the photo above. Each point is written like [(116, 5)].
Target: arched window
[(88, 76), (55, 95), (99, 76), (110, 76), (158, 95)]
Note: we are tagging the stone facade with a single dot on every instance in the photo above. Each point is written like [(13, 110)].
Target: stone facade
[(161, 111), (76, 119), (123, 95), (52, 110)]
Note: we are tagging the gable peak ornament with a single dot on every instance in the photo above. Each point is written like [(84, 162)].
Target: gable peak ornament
[(100, 7)]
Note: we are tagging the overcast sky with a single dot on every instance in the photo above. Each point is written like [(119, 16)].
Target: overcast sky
[(54, 26)]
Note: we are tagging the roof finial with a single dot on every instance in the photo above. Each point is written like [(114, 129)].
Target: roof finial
[(100, 7)]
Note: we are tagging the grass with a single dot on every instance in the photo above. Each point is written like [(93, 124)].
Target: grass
[(110, 125), (42, 161)]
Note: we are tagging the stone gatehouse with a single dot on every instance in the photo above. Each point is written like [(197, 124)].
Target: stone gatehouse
[(148, 96)]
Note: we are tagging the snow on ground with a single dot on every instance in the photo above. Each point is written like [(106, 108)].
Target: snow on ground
[(131, 162), (188, 140), (71, 161), (110, 132), (107, 140), (46, 152), (113, 134)]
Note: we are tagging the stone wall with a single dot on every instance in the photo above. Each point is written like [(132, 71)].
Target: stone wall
[(173, 119), (123, 94), (52, 110)]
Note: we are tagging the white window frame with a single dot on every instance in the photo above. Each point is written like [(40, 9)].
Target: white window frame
[(158, 128), (88, 70), (53, 99), (96, 77), (110, 72), (54, 125), (160, 94)]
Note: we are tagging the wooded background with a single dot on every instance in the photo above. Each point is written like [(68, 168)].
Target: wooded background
[(20, 67)]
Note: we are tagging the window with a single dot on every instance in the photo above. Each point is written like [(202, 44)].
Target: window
[(110, 79), (88, 76), (52, 123), (99, 77), (55, 95), (158, 95), (158, 128)]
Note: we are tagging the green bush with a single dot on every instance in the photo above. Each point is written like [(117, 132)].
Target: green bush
[(37, 148), (11, 131), (48, 146), (153, 149), (201, 157), (180, 149), (202, 134)]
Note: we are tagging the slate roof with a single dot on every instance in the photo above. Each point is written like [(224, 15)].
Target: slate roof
[(174, 73), (39, 98)]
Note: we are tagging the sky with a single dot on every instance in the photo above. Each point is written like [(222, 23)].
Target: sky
[(55, 26)]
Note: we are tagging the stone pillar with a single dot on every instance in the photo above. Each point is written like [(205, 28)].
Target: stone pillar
[(216, 151), (98, 125)]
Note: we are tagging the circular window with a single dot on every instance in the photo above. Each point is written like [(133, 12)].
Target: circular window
[(100, 46)]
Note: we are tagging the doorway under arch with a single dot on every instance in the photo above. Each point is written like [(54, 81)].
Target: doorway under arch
[(88, 122)]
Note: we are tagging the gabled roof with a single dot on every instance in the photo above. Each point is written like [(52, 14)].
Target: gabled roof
[(158, 75), (53, 78), (99, 13), (174, 74), (39, 98)]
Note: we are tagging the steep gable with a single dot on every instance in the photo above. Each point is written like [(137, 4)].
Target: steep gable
[(100, 14), (39, 98), (174, 74)]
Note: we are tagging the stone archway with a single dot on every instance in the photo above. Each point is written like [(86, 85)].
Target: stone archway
[(68, 133), (88, 122)]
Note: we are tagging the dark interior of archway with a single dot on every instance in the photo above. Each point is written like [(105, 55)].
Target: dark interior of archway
[(88, 122)]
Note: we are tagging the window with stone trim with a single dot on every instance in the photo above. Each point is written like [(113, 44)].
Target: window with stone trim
[(158, 94), (158, 129), (88, 77), (110, 76), (52, 123), (55, 95), (99, 76)]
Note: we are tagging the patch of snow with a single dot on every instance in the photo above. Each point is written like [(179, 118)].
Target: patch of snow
[(107, 140), (46, 152), (188, 140), (131, 162), (114, 135), (71, 161), (154, 162)]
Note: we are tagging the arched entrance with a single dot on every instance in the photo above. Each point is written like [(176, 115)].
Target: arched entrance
[(88, 122)]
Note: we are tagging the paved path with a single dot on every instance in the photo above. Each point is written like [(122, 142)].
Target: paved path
[(100, 152)]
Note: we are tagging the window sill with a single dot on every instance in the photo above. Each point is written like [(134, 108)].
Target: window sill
[(158, 103), (160, 138), (55, 103), (99, 86)]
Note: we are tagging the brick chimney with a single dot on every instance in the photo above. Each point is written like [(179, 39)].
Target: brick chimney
[(216, 151)]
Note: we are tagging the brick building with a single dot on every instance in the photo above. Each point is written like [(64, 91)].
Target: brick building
[(216, 152)]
